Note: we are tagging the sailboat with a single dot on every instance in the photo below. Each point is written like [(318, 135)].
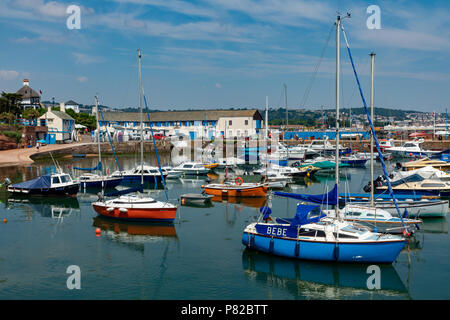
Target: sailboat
[(238, 188), (314, 236), (91, 180), (137, 207)]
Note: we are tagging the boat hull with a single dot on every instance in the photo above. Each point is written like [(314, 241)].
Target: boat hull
[(415, 209), (365, 252), (260, 191), (137, 214), (98, 184), (148, 179), (69, 191)]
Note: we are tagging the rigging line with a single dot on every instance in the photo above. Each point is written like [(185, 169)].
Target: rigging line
[(373, 131), (309, 87)]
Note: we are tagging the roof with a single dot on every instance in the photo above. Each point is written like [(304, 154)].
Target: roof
[(27, 92), (59, 114), (191, 115), (71, 103)]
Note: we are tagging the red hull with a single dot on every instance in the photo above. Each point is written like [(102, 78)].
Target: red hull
[(160, 214)]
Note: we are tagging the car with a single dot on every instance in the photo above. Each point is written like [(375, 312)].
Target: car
[(158, 136)]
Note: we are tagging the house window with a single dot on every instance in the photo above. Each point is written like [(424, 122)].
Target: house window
[(246, 122), (230, 122), (50, 121)]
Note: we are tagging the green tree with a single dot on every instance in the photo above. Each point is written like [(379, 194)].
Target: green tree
[(9, 102)]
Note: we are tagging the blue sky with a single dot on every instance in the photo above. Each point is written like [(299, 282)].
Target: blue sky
[(225, 53)]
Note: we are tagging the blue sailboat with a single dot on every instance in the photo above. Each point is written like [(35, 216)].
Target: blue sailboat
[(91, 180), (311, 234)]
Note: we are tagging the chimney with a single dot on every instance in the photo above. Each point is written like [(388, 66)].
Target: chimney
[(62, 107), (26, 82)]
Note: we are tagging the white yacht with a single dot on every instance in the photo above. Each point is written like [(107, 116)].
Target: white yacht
[(411, 149), (193, 168)]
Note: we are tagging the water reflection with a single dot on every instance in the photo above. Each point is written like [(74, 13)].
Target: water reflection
[(134, 233), (315, 280), (50, 207), (248, 202)]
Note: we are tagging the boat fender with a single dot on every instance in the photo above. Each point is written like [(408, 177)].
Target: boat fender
[(297, 249), (336, 252), (109, 209), (238, 181), (417, 226), (271, 245), (124, 210)]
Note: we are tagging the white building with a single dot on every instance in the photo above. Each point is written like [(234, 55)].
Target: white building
[(72, 105), (61, 126), (195, 123), (30, 98)]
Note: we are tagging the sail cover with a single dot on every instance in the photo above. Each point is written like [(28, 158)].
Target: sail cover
[(42, 182), (97, 167), (327, 198), (307, 214)]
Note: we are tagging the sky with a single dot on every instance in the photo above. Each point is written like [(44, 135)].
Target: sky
[(207, 54)]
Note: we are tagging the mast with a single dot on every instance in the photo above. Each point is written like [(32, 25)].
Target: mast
[(267, 132), (338, 57), (285, 103), (142, 120), (98, 135), (372, 64)]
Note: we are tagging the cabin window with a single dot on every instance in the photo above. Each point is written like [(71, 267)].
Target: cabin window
[(65, 179), (343, 235), (433, 185), (187, 166), (198, 166), (354, 213), (55, 180)]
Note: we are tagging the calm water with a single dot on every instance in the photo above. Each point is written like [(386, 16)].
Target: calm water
[(199, 257)]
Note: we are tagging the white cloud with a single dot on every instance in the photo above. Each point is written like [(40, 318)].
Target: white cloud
[(82, 79), (81, 58), (8, 74)]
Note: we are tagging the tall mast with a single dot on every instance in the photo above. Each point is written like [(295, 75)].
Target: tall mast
[(372, 64), (98, 134), (267, 132), (338, 57), (142, 120), (285, 103)]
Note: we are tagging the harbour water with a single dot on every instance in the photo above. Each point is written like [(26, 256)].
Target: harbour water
[(200, 256)]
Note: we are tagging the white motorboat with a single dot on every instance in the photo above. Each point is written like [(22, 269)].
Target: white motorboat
[(411, 149), (171, 172), (427, 172), (193, 168), (373, 217), (426, 208)]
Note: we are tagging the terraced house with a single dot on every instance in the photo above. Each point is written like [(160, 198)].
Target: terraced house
[(195, 124)]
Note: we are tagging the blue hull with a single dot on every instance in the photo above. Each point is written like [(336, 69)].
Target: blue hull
[(137, 179), (376, 252), (98, 184)]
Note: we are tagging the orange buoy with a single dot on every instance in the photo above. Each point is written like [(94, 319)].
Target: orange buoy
[(98, 232), (5, 221)]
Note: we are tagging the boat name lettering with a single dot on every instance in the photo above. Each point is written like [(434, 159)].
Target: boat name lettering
[(274, 231)]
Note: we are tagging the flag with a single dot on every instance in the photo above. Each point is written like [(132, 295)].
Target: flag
[(40, 91)]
